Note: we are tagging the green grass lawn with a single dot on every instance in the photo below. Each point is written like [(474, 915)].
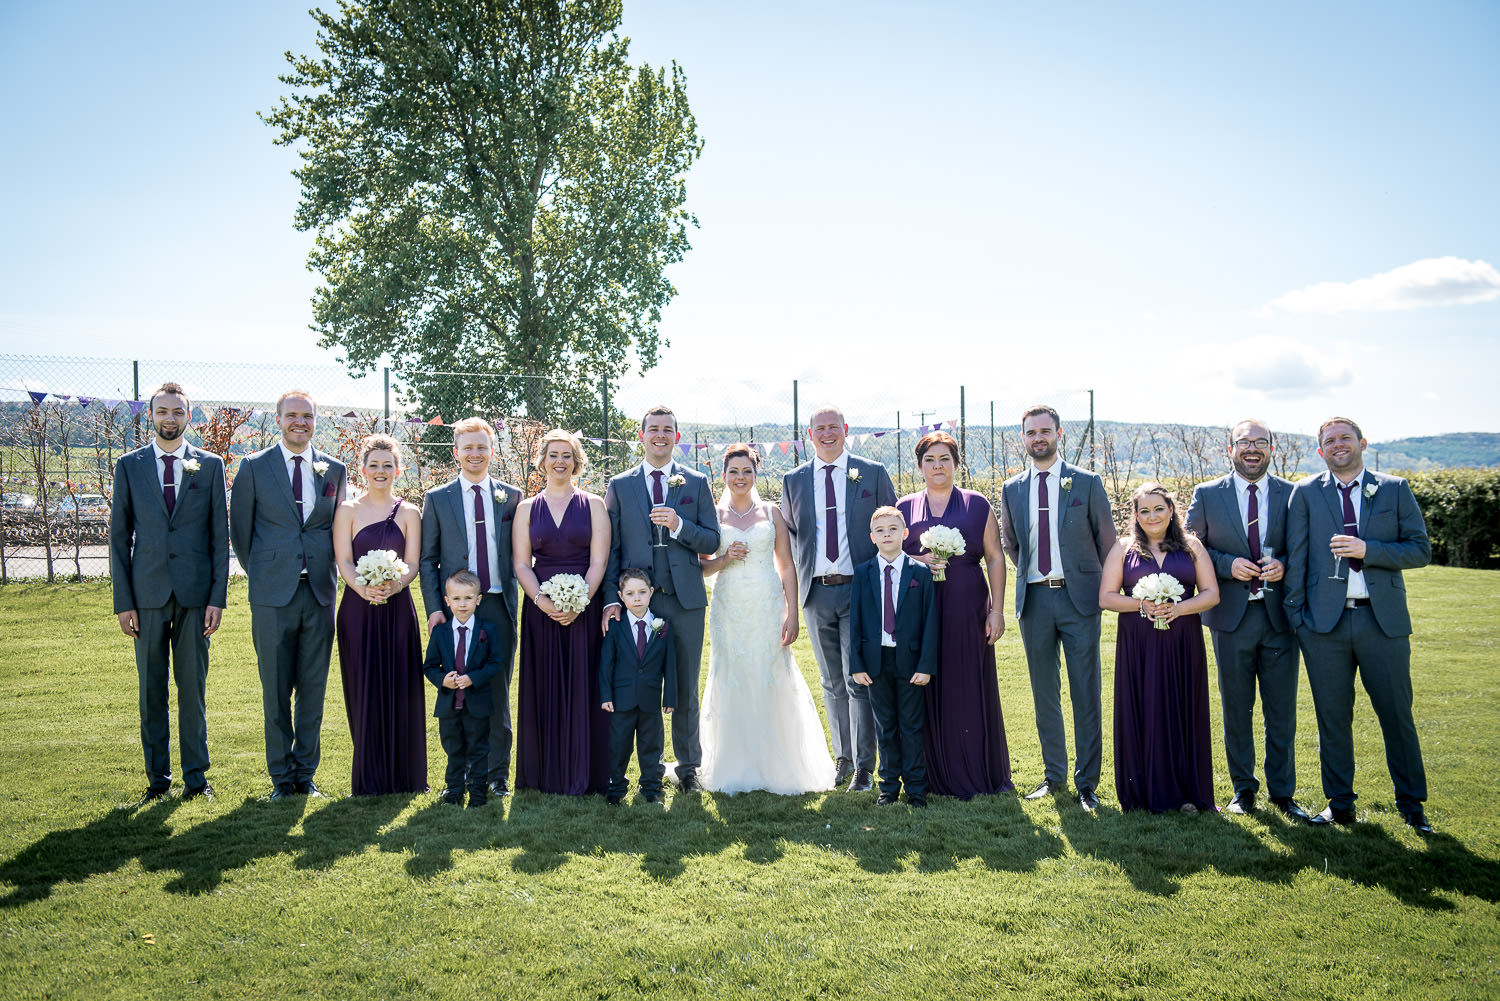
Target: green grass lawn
[(817, 896)]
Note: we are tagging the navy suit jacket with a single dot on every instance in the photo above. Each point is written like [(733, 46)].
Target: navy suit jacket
[(445, 541), (802, 509), (271, 541), (1214, 517), (632, 682), (916, 621), (1395, 536), (153, 556), (1086, 532), (628, 500), (481, 658)]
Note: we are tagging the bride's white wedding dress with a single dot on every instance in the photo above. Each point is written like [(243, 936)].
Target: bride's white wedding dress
[(758, 724)]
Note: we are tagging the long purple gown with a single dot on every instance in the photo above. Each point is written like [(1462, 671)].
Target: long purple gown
[(965, 740), (380, 659), (562, 735), (1162, 750)]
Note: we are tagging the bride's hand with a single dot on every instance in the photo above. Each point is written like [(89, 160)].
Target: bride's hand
[(789, 629), (737, 551)]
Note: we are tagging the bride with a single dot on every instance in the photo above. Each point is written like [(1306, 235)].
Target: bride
[(758, 724)]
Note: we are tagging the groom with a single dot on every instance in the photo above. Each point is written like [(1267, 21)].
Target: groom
[(827, 503), (661, 516)]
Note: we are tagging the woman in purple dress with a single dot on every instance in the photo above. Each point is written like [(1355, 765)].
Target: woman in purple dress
[(965, 742), (562, 733), (380, 645), (1162, 754)]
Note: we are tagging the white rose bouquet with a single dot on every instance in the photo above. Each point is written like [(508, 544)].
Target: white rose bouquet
[(568, 591), (1158, 588), (379, 566), (944, 543)]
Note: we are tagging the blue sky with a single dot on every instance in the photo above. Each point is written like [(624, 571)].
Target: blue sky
[(1197, 211)]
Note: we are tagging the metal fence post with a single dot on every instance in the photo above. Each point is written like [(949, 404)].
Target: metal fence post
[(993, 457), (1093, 450), (604, 392), (135, 421), (963, 438), (796, 419), (387, 399)]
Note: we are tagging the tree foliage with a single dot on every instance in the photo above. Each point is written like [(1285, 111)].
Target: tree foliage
[(493, 188)]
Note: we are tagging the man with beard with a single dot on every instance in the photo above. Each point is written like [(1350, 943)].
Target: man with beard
[(1350, 533), (1057, 530), (1241, 519), (169, 567)]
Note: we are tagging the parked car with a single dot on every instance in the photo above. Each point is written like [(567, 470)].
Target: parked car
[(90, 507), (20, 503)]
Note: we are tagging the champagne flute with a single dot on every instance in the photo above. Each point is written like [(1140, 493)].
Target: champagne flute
[(1266, 553)]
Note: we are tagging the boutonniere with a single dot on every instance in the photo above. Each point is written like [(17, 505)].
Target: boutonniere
[(1370, 489), (658, 627), (676, 480), (320, 467), (191, 465), (1067, 482), (854, 475)]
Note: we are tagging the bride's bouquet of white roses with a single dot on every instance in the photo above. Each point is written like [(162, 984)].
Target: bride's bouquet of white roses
[(943, 542), (568, 591), (1158, 588)]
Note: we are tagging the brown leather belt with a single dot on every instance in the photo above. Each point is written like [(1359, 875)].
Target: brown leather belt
[(833, 579)]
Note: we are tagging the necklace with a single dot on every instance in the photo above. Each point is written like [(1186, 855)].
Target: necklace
[(740, 514)]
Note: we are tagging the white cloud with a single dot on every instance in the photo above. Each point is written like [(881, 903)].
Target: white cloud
[(1283, 368), (1436, 281)]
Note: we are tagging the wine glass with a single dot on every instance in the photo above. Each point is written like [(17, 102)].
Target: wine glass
[(1266, 553)]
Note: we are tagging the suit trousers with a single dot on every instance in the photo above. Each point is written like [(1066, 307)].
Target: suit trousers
[(493, 607), (1257, 652), (1383, 662), (173, 632), (643, 728), (850, 719), (1052, 625), (466, 741), (687, 645), (292, 646), (900, 710)]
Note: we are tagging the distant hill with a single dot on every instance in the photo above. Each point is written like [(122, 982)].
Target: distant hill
[(1446, 451)]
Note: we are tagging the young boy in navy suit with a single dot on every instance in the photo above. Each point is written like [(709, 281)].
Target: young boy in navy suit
[(463, 654), (893, 633), (637, 673)]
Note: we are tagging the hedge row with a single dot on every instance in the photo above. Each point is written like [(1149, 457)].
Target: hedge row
[(1462, 508)]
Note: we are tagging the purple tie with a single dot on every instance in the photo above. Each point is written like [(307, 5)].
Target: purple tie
[(656, 497), (889, 623), (640, 639), (1043, 528), (830, 518), (297, 485), (1252, 529), (1351, 523), (459, 665), (168, 485), (481, 542)]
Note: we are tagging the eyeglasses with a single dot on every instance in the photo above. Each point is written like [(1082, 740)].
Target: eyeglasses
[(1257, 443)]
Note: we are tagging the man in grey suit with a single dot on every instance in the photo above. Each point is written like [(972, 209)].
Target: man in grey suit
[(661, 517), (827, 503), (1350, 533), (466, 525), (1241, 520), (281, 525), (169, 566), (1057, 530)]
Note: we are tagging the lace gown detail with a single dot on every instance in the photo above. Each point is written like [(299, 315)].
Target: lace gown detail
[(759, 727)]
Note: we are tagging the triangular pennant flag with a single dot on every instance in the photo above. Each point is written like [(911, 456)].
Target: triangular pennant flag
[(109, 404), (351, 414), (36, 397), (84, 401), (414, 420), (136, 406), (437, 420), (62, 396), (783, 445), (685, 449)]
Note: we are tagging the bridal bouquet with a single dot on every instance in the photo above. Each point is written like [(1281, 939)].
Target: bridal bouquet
[(1158, 588), (568, 591), (378, 566), (944, 543)]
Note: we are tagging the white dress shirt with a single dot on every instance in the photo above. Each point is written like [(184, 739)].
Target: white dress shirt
[(1263, 512), (845, 563), (309, 491), (897, 566), (1054, 519), (487, 491), (161, 467), (1357, 586), (667, 473)]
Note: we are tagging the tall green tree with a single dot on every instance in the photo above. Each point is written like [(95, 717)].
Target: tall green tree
[(493, 188)]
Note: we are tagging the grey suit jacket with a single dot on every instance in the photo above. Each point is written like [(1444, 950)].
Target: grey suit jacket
[(1214, 517), (445, 541), (1086, 532), (802, 509), (269, 539), (629, 504), (1395, 538), (152, 556)]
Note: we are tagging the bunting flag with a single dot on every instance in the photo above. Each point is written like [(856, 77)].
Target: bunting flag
[(109, 404), (36, 398), (84, 401), (351, 414), (437, 420), (136, 406), (783, 445), (685, 449)]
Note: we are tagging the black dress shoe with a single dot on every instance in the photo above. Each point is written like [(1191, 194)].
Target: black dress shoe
[(1290, 809), (205, 790), (651, 797), (1042, 791), (477, 799), (689, 783), (1341, 815), (1417, 821), (309, 788), (452, 797), (153, 793), (861, 781), (499, 789), (612, 800), (920, 802), (1242, 804), (283, 792), (886, 799), (1088, 800), (842, 770)]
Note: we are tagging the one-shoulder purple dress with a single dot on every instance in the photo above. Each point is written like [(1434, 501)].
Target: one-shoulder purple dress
[(1163, 757), (967, 754), (562, 736), (380, 660)]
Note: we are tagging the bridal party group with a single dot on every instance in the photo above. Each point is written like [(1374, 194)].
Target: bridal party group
[(596, 609)]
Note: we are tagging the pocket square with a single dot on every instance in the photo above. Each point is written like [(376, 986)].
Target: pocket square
[(328, 490), (865, 494), (507, 516), (193, 485), (914, 584), (1076, 503), (685, 499)]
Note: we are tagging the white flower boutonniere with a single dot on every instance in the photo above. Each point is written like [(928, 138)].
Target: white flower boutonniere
[(658, 626), (320, 467), (191, 465), (676, 480), (855, 475), (1370, 489), (1067, 482)]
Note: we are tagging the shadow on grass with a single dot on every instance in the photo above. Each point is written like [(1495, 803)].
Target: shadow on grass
[(346, 827), (203, 853), (98, 847)]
